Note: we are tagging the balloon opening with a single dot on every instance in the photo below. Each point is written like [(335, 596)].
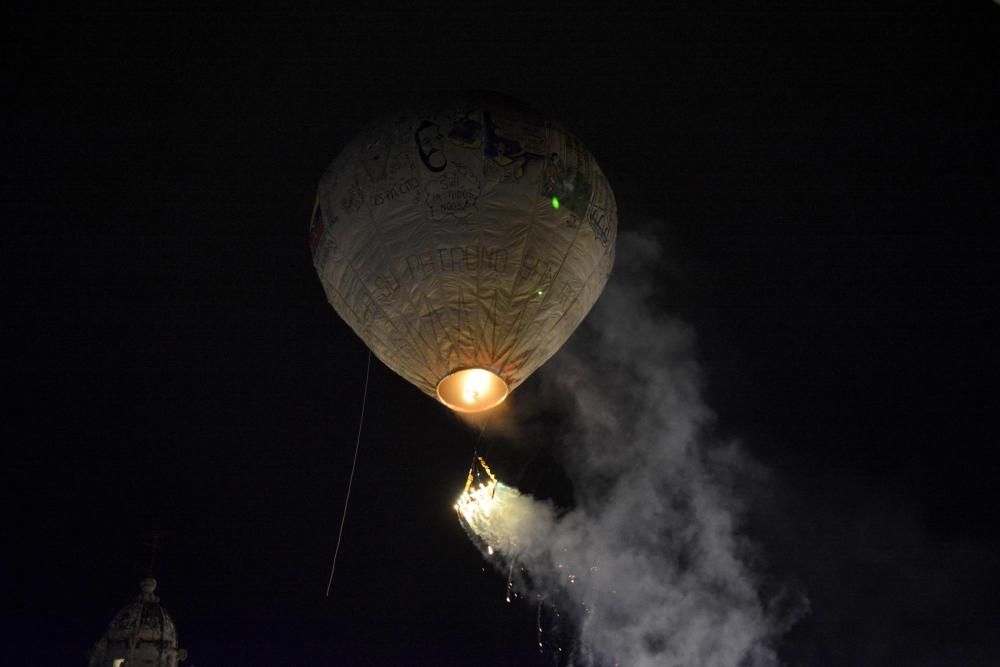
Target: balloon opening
[(472, 390)]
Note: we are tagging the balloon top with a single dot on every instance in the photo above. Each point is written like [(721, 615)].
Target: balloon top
[(472, 390)]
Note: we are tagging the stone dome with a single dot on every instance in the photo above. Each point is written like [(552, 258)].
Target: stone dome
[(142, 634)]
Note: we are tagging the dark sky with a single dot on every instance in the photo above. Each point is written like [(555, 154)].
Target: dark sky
[(825, 184)]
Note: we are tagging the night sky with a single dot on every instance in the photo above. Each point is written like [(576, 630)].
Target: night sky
[(823, 182)]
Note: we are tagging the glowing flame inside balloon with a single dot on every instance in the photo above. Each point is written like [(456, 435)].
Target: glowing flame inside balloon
[(476, 384), (472, 390)]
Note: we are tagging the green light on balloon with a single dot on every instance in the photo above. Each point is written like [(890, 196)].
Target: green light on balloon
[(555, 202)]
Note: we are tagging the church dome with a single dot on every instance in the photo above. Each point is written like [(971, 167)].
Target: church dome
[(142, 634)]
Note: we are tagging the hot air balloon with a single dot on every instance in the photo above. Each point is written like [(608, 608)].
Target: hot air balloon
[(464, 241)]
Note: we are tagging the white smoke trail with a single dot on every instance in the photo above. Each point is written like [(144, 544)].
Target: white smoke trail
[(650, 558)]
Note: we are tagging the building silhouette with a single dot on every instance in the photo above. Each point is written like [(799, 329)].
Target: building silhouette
[(142, 634)]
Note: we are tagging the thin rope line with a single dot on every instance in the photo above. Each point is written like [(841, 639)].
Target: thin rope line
[(350, 481), (475, 448)]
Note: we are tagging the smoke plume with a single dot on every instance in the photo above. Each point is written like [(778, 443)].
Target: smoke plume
[(650, 562)]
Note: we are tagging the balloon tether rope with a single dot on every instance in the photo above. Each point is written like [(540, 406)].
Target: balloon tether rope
[(350, 481), (473, 470)]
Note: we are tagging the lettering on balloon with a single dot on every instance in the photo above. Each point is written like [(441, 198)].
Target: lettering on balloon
[(565, 294), (432, 326), (357, 297), (495, 259), (352, 199), (456, 259), (420, 266), (533, 267), (403, 187), (601, 215), (386, 286), (598, 219), (328, 248), (467, 311), (450, 325), (455, 194)]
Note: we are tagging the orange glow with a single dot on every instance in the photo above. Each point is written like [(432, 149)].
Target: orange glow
[(472, 390)]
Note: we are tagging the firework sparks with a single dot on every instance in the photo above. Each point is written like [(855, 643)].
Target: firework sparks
[(491, 512)]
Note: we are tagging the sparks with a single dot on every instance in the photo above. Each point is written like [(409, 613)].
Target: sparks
[(493, 514), (478, 501)]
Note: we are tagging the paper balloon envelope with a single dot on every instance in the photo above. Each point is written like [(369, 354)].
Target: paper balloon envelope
[(464, 241)]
